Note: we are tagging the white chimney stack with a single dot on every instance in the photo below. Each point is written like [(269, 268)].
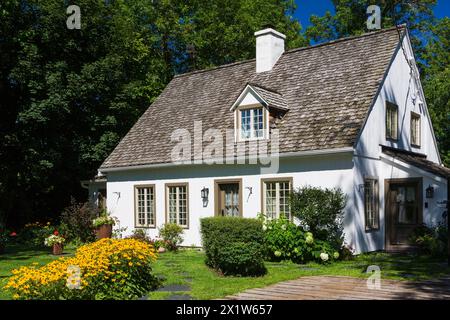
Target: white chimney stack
[(269, 48)]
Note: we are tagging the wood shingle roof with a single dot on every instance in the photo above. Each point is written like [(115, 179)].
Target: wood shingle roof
[(328, 89)]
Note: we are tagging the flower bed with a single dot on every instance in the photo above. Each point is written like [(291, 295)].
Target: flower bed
[(106, 269)]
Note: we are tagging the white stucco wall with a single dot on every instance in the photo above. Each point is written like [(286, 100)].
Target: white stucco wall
[(329, 171)]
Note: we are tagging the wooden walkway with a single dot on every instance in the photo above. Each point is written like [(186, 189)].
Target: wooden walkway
[(347, 288)]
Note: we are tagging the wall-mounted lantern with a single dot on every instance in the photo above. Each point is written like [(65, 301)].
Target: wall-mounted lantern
[(204, 194), (429, 192)]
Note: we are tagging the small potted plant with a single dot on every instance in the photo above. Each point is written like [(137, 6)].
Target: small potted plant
[(55, 241), (104, 224)]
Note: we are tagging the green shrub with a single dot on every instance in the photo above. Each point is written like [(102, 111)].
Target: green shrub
[(76, 222), (284, 240), (171, 234), (240, 258), (233, 246), (431, 241), (320, 211), (34, 234)]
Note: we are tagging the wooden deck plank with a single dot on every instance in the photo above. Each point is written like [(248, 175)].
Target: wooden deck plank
[(347, 288)]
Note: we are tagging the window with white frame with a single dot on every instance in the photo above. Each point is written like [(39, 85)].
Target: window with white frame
[(415, 129), (371, 211), (276, 199), (251, 122), (177, 204), (145, 206)]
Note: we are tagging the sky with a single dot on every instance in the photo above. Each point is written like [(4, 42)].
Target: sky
[(305, 8)]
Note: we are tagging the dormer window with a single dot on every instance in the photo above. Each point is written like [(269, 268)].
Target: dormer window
[(251, 123), (255, 110)]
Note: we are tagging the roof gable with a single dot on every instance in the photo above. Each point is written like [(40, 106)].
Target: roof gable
[(328, 89), (268, 98)]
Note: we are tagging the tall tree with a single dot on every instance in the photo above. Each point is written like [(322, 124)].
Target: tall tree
[(350, 19), (437, 84), (68, 96)]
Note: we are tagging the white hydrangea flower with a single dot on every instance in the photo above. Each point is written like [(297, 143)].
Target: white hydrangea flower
[(324, 256), (264, 227)]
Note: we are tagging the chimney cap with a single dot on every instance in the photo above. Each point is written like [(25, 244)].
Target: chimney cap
[(268, 31)]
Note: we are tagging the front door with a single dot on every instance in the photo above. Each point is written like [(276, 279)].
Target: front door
[(228, 199), (403, 212)]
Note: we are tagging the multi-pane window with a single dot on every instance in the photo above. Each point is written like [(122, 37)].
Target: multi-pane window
[(415, 129), (371, 204), (177, 202), (391, 121), (252, 123), (145, 206), (276, 199)]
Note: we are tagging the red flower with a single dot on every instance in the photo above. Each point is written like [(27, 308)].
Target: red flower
[(13, 234), (56, 233)]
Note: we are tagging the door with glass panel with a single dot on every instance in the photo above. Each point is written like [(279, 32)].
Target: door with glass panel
[(403, 212), (228, 199)]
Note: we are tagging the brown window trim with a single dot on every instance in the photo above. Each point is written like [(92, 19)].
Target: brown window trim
[(216, 195), (392, 106), (276, 179), (166, 195), (136, 226), (377, 205), (419, 134)]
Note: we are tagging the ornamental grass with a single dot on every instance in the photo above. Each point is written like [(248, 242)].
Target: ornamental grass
[(105, 269)]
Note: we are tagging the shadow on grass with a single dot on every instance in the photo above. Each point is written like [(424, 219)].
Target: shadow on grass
[(407, 266)]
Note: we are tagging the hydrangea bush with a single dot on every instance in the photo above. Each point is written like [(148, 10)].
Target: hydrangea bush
[(284, 240), (106, 269)]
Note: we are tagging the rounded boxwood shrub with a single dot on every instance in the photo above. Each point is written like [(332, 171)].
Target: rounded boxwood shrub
[(233, 246), (240, 258)]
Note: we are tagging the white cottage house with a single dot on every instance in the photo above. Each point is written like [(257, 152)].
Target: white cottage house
[(350, 113)]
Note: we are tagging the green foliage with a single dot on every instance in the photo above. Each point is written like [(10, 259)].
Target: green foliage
[(104, 219), (69, 96), (76, 222), (4, 238), (431, 241), (437, 85), (141, 235), (172, 236), (233, 246), (34, 234), (284, 240), (320, 211), (350, 19), (241, 258)]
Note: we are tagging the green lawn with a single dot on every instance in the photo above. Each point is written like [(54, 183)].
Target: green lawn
[(187, 268)]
